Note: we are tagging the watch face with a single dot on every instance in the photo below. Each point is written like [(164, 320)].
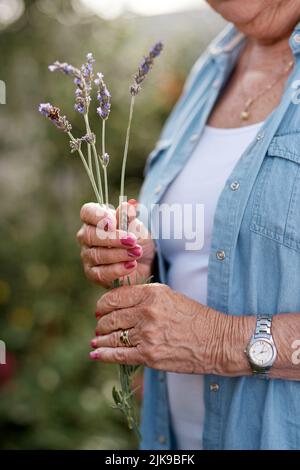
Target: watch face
[(261, 352)]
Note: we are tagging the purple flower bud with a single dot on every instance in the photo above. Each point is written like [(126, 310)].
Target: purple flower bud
[(75, 145), (64, 68), (105, 160), (80, 108), (103, 97), (53, 113), (144, 68), (89, 57), (89, 138)]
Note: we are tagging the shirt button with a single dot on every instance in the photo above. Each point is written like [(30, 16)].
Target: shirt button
[(216, 83), (260, 136), (234, 185), (297, 38), (220, 255), (194, 137), (215, 50), (161, 439), (214, 387), (158, 189)]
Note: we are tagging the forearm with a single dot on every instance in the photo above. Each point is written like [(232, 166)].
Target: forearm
[(234, 335)]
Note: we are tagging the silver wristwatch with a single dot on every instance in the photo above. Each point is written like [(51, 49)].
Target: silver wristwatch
[(261, 350)]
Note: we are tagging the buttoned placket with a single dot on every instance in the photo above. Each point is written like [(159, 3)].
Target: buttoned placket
[(227, 221)]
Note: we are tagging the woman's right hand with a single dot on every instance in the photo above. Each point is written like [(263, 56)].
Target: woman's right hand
[(109, 253)]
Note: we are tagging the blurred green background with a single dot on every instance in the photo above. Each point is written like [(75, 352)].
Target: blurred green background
[(51, 395)]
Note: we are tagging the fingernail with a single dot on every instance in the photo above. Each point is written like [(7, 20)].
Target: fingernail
[(97, 334), (94, 343), (94, 355), (133, 202), (136, 251), (128, 241), (97, 314), (107, 225), (129, 264)]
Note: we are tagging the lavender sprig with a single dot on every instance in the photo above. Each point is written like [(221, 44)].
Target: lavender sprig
[(135, 88), (103, 110), (53, 113), (145, 68)]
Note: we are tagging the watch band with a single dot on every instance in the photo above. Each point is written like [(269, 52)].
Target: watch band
[(262, 330), (263, 326)]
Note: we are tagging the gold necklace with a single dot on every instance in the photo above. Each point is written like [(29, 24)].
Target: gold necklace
[(245, 113)]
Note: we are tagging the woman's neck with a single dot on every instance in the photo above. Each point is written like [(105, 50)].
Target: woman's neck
[(271, 55)]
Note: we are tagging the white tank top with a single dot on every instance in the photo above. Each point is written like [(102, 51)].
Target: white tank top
[(200, 182)]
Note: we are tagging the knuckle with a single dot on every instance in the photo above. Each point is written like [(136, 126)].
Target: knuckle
[(83, 211), (83, 254), (99, 276), (116, 339), (120, 356), (149, 355), (149, 311), (94, 254), (113, 298), (89, 232), (89, 274), (111, 321), (79, 235)]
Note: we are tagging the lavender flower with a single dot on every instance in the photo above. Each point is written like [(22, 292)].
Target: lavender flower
[(84, 85), (89, 138), (53, 113), (75, 145), (144, 68), (105, 160), (103, 97), (82, 78), (64, 68)]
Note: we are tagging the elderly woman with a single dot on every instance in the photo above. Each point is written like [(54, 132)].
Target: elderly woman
[(219, 333)]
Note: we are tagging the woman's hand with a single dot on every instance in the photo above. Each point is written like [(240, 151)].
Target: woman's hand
[(109, 253), (168, 331)]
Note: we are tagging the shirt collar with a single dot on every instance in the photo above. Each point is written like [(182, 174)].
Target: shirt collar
[(295, 40)]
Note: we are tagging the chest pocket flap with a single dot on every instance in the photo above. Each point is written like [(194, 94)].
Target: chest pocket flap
[(276, 200)]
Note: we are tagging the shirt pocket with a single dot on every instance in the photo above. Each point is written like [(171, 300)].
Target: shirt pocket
[(276, 202), (160, 149)]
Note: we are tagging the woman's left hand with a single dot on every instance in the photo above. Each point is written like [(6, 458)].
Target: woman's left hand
[(168, 331)]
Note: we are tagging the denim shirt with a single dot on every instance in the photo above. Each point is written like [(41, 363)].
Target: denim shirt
[(257, 231)]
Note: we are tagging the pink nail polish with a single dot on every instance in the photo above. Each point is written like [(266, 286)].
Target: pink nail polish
[(129, 264), (94, 355), (107, 225), (136, 251), (97, 314), (94, 343), (128, 241), (97, 334), (132, 202)]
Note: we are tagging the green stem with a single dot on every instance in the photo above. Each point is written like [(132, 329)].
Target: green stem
[(87, 169), (126, 147), (88, 129), (104, 166), (90, 157), (97, 170)]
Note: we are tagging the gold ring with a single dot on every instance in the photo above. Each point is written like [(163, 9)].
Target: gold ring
[(124, 338)]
